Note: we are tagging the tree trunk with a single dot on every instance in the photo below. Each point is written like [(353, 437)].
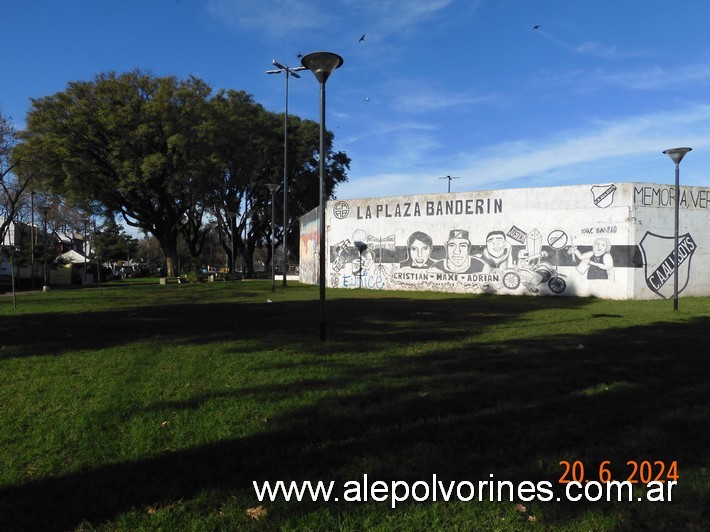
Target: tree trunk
[(171, 264)]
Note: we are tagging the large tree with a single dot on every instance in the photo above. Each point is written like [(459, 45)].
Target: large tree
[(249, 148), (168, 156), (239, 129), (131, 144)]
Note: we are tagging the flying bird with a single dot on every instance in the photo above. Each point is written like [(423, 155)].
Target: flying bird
[(536, 27), (299, 55), (362, 38)]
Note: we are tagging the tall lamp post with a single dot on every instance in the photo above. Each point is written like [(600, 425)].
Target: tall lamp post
[(96, 253), (232, 222), (84, 248), (288, 71), (273, 188), (322, 64), (676, 154), (33, 231), (45, 287)]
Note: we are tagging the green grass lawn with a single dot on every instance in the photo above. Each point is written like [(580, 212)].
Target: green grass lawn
[(156, 407)]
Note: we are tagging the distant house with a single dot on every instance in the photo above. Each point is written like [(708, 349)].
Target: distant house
[(69, 241), (73, 257), (18, 234), (21, 236)]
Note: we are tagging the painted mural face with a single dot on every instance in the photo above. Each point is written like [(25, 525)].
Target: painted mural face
[(496, 245), (601, 246), (419, 252), (457, 252), (523, 259)]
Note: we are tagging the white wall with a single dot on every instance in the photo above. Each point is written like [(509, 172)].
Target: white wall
[(557, 227), (654, 206)]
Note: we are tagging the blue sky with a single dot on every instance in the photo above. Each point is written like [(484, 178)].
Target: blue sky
[(464, 88)]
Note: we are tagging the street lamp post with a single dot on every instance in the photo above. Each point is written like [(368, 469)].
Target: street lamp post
[(12, 231), (96, 253), (676, 154), (33, 232), (232, 223), (288, 71), (84, 249), (322, 64), (45, 287), (273, 188)]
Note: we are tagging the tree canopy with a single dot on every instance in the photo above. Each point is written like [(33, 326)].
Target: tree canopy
[(166, 154)]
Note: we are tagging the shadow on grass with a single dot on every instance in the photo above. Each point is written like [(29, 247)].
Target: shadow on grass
[(352, 324), (513, 409)]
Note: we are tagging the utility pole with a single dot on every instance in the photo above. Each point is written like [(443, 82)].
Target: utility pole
[(449, 178), (288, 71)]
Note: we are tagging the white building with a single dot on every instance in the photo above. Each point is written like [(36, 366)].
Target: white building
[(611, 241)]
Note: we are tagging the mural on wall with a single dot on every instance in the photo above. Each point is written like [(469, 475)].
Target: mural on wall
[(419, 248), (597, 263), (603, 195), (512, 261), (579, 240), (308, 248), (660, 262), (658, 241)]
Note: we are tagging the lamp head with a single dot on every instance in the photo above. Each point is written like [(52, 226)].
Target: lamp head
[(322, 64), (677, 154)]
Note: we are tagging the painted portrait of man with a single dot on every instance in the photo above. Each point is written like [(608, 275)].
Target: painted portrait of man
[(458, 258), (497, 252)]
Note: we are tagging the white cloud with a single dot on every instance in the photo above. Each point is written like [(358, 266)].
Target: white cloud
[(607, 51), (658, 78), (628, 149), (286, 17), (387, 130), (410, 13), (631, 137), (594, 48), (429, 99), (647, 78), (272, 17)]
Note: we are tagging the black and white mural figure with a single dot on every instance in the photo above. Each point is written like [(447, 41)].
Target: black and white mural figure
[(458, 259), (341, 259), (595, 264), (497, 252), (419, 248), (527, 268), (368, 262), (364, 257), (532, 267), (341, 255)]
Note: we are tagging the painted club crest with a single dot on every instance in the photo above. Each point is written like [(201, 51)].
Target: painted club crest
[(603, 195), (341, 210), (659, 262)]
